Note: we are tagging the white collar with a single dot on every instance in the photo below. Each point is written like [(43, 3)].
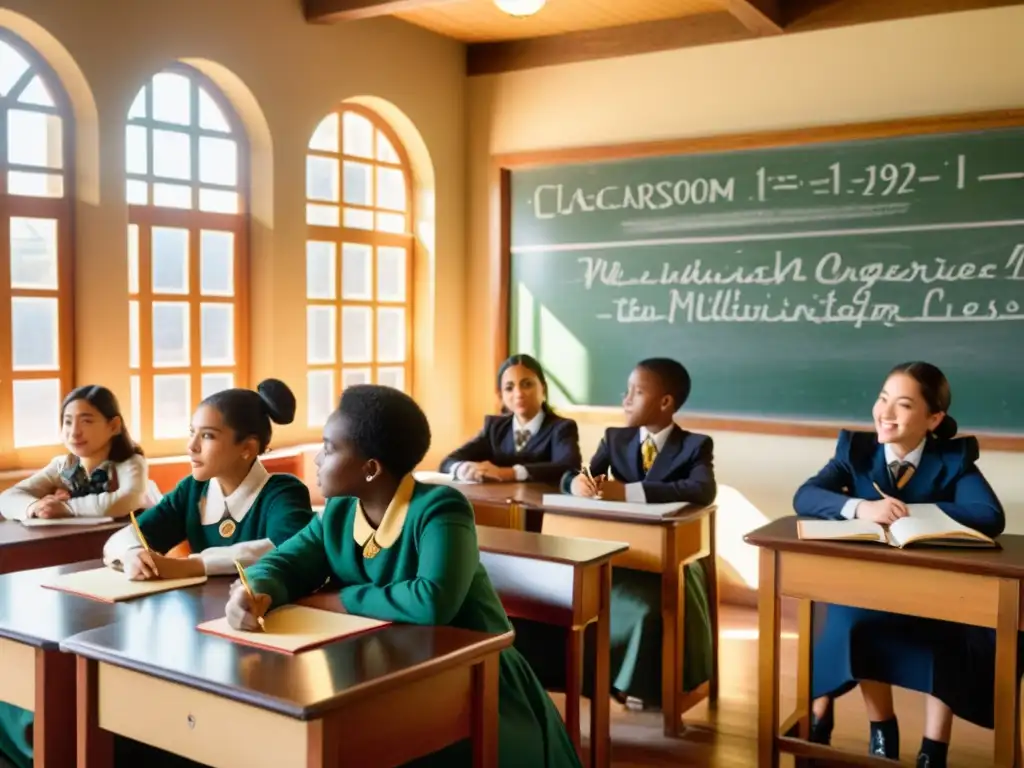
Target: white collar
[(532, 426), (239, 502), (659, 439), (914, 457)]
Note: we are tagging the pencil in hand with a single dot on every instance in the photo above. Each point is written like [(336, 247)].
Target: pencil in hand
[(138, 532), (248, 589)]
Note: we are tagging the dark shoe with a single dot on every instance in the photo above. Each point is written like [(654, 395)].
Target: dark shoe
[(821, 729), (933, 754), (923, 761), (885, 739)]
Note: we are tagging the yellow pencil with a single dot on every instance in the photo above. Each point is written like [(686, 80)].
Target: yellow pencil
[(880, 491), (138, 532), (245, 583)]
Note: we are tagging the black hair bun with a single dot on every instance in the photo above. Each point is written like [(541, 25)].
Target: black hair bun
[(947, 428), (278, 400)]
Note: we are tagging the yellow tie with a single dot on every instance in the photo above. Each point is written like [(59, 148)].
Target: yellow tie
[(649, 452)]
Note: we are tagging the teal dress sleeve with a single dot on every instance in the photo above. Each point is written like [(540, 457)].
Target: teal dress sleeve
[(293, 511), (296, 568), (163, 524)]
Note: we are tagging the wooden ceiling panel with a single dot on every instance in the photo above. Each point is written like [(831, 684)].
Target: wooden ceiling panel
[(475, 21)]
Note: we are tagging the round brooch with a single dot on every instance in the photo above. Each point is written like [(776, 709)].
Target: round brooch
[(226, 528)]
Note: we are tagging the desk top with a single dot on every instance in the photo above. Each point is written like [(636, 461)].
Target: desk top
[(539, 546), (1007, 562), (529, 494), (160, 639), (13, 533)]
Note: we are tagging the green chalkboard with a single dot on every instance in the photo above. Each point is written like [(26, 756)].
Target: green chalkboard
[(787, 279)]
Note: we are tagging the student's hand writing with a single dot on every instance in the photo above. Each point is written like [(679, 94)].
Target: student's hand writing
[(138, 565), (177, 567), (243, 612), (884, 511), (584, 486), (613, 490)]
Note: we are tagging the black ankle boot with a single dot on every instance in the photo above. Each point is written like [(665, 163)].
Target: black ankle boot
[(821, 729), (932, 754), (885, 739)]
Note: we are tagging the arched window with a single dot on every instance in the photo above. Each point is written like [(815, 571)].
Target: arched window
[(187, 252), (358, 258), (36, 313)]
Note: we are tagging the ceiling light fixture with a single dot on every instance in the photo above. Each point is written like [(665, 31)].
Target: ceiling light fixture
[(520, 7)]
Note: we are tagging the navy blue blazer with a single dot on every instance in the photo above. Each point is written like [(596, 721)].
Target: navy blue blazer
[(683, 470), (551, 452), (946, 476)]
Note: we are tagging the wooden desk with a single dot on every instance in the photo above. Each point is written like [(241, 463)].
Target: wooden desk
[(388, 696), (23, 548), (34, 674), (979, 587), (567, 583), (665, 546), (504, 505)]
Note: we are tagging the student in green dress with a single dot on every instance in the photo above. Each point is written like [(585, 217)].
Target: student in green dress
[(230, 508), (406, 552)]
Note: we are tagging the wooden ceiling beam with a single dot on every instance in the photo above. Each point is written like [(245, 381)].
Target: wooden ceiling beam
[(762, 17), (811, 15), (327, 11)]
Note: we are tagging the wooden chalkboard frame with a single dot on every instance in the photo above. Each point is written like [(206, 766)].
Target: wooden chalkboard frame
[(500, 231)]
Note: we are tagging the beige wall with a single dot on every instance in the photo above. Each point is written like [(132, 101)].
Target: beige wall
[(936, 65), (282, 75)]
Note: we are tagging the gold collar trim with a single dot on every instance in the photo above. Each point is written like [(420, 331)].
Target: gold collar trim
[(390, 528)]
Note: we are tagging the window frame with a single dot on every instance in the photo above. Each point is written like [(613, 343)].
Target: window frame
[(340, 235), (60, 209), (195, 221)]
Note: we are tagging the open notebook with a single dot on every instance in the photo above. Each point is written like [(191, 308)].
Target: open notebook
[(440, 478), (563, 501), (110, 586), (926, 524), (46, 522), (294, 628)]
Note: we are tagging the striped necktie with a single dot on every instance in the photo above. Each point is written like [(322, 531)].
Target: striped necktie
[(522, 438), (901, 472)]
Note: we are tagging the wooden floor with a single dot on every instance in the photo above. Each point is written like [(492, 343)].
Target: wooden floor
[(726, 738)]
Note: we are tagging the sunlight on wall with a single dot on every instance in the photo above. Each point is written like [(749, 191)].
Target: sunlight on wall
[(736, 514), (522, 319), (566, 361)]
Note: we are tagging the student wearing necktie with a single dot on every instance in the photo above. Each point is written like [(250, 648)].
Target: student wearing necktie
[(649, 460), (914, 458), (528, 441)]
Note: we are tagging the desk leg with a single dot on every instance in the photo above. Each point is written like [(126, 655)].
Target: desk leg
[(600, 704), (574, 685), (324, 742), (54, 710), (95, 746), (768, 663), (673, 619), (711, 574), (485, 713), (1007, 725)]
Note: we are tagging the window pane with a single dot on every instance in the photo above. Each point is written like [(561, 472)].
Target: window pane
[(216, 382), (12, 67), (391, 334), (35, 184), (390, 188), (358, 219), (356, 271), (138, 192), (36, 93), (211, 117), (322, 215), (320, 338), (385, 150), (135, 405), (355, 334), (172, 196), (171, 98), (138, 107), (133, 258), (353, 376), (218, 201), (325, 137), (218, 333), (358, 183), (320, 260), (392, 377), (171, 406), (320, 397), (170, 334), (390, 273), (34, 333), (216, 263), (133, 334), (390, 222), (218, 161), (36, 412), (34, 253), (34, 138), (172, 155), (170, 260), (322, 178), (135, 150), (358, 135)]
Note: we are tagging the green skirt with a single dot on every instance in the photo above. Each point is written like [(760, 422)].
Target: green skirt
[(15, 744), (635, 635)]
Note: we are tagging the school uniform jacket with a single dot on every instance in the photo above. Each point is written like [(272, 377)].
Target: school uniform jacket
[(682, 471), (550, 453), (947, 476)]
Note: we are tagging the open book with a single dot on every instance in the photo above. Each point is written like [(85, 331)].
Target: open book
[(47, 522), (563, 501), (439, 478), (294, 628), (926, 524)]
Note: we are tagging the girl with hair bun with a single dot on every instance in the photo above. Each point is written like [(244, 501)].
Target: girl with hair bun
[(230, 508), (914, 457)]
